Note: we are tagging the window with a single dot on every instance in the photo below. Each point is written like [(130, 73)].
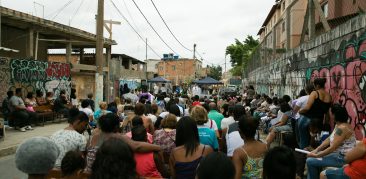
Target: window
[(325, 9), (283, 26), (173, 67), (283, 5)]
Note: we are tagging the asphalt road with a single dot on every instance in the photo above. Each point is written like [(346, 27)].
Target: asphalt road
[(8, 170)]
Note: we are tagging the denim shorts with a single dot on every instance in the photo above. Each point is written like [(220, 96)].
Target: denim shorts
[(336, 174)]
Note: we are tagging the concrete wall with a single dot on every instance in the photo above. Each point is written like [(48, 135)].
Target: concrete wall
[(339, 56), (31, 75)]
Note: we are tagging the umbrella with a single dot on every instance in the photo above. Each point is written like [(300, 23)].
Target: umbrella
[(207, 81), (158, 80)]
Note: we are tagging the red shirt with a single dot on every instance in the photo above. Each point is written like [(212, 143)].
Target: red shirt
[(357, 168), (145, 165), (196, 103)]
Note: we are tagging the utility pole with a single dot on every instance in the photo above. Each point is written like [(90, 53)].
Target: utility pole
[(311, 19), (99, 55), (194, 51), (146, 51)]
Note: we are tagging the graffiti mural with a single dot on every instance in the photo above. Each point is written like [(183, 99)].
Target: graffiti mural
[(346, 80), (34, 75), (4, 78), (339, 56)]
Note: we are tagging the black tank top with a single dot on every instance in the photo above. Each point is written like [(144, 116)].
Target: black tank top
[(318, 109)]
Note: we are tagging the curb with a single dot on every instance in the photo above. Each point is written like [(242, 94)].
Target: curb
[(8, 151)]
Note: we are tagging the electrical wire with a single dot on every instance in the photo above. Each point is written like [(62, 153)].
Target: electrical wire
[(61, 9), (121, 14), (77, 10), (129, 14), (166, 25), (153, 27)]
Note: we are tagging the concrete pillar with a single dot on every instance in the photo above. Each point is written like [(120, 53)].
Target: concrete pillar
[(109, 93), (68, 52), (30, 43), (129, 64), (81, 55)]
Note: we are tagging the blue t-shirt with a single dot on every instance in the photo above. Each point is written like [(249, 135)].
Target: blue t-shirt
[(208, 137)]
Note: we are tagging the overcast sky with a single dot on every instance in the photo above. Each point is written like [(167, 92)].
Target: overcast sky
[(211, 24)]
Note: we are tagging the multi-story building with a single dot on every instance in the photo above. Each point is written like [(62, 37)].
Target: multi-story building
[(283, 26), (180, 71), (338, 11)]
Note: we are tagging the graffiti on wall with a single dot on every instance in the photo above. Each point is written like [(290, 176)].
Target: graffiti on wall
[(346, 79), (4, 77), (343, 67), (34, 75)]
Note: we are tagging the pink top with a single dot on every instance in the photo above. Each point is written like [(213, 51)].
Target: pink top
[(145, 165), (149, 137)]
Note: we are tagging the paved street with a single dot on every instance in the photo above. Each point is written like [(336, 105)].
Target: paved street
[(8, 169)]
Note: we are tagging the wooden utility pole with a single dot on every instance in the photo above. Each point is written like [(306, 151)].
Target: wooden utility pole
[(108, 25), (99, 55), (194, 51), (311, 21)]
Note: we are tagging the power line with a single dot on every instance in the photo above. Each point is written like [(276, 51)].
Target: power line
[(120, 13), (61, 9), (129, 14), (77, 10), (166, 25), (153, 27)]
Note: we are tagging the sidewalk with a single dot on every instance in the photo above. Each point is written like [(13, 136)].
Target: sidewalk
[(14, 137)]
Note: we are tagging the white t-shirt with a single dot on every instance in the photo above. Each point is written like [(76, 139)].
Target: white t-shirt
[(163, 114), (156, 89), (68, 140), (163, 89), (301, 102), (152, 117), (233, 139), (226, 122), (87, 111)]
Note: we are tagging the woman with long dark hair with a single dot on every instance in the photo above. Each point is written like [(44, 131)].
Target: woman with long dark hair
[(185, 158)]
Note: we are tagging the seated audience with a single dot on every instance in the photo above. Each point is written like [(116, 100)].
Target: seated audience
[(40, 99), (61, 104), (331, 152), (21, 116), (283, 125), (356, 159)]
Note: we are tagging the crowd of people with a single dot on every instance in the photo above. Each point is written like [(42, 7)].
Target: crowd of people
[(160, 135)]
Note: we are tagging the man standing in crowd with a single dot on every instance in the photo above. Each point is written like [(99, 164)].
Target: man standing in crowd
[(215, 115), (22, 117)]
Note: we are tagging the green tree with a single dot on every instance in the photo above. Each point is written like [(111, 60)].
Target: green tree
[(240, 53), (215, 72)]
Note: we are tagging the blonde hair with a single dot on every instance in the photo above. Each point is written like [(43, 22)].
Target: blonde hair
[(103, 105), (199, 114), (117, 100)]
